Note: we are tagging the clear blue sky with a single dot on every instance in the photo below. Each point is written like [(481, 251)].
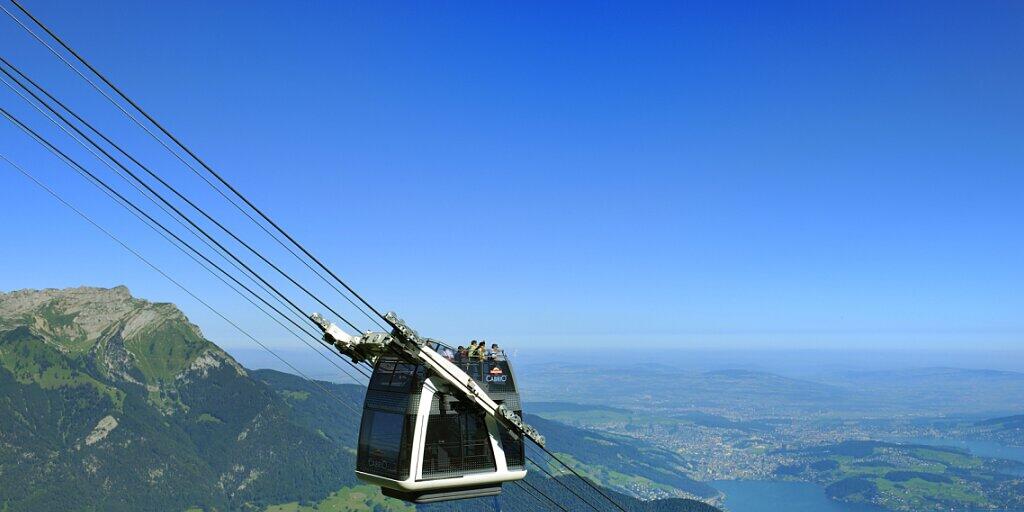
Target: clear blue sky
[(684, 174)]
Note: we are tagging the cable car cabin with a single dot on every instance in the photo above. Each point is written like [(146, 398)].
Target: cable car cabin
[(422, 444)]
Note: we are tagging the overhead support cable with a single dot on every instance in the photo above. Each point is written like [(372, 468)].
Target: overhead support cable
[(127, 179), (527, 486), (159, 126), (561, 483), (194, 156), (78, 138), (121, 174), (580, 476), (299, 310), (161, 181)]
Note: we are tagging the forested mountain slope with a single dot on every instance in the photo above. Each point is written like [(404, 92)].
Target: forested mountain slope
[(112, 403)]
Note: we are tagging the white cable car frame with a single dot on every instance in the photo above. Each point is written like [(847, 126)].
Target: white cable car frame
[(406, 441)]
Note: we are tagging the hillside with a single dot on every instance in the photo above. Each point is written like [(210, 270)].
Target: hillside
[(1008, 430), (113, 403), (908, 476), (1004, 423), (121, 404)]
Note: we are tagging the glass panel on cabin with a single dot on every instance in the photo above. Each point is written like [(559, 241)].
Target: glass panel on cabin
[(456, 443), (512, 445), (394, 375), (384, 439), (476, 443)]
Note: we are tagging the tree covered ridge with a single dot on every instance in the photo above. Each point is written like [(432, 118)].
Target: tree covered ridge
[(114, 403)]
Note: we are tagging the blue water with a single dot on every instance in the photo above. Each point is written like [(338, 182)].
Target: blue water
[(773, 496)]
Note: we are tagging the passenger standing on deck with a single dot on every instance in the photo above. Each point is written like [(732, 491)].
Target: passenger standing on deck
[(475, 351), (461, 355), (496, 354)]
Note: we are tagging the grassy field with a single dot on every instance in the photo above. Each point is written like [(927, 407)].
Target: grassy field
[(30, 360), (362, 498), (920, 494), (906, 477)]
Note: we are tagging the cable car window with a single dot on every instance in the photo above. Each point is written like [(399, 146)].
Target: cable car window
[(476, 442), (402, 376), (392, 375), (381, 377), (456, 444), (383, 444), (512, 445), (442, 454)]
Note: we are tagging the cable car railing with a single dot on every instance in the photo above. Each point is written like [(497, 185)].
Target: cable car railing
[(491, 371)]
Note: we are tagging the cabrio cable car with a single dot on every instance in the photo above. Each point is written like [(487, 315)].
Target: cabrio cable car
[(434, 427), (421, 443)]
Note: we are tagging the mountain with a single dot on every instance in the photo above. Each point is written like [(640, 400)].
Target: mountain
[(1005, 430), (908, 477), (113, 403), (1015, 422), (742, 394), (937, 390), (657, 388), (760, 385)]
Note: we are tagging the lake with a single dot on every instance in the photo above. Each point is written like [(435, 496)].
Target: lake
[(775, 496)]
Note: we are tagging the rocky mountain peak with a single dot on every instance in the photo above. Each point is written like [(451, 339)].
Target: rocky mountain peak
[(127, 339), (85, 314)]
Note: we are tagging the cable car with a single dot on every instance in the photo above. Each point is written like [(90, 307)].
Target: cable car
[(419, 442), (435, 427)]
